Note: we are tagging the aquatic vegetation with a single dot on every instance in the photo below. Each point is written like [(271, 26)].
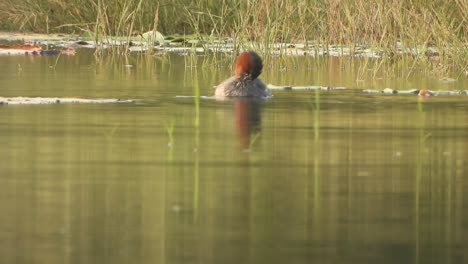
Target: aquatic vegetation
[(432, 33)]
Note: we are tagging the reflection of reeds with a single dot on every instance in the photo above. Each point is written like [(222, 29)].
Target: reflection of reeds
[(317, 160), (170, 144), (419, 173), (196, 123), (437, 193)]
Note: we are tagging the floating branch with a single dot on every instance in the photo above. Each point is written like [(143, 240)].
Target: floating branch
[(312, 87), (58, 100)]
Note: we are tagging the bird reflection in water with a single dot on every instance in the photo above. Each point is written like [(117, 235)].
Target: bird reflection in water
[(247, 93), (248, 120)]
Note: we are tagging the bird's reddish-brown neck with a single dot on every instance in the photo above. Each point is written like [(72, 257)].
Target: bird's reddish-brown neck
[(243, 64)]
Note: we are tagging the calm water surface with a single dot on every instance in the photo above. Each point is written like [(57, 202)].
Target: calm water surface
[(307, 177)]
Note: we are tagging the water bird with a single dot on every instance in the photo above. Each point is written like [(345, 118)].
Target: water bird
[(245, 82), (424, 92)]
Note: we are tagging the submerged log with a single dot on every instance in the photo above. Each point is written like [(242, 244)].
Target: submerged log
[(311, 87), (58, 100), (421, 92)]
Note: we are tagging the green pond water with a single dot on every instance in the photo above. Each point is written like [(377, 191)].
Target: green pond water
[(306, 177)]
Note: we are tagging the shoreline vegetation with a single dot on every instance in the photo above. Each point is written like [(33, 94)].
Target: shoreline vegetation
[(434, 29)]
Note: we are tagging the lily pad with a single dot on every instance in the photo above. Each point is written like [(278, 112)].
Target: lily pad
[(153, 37)]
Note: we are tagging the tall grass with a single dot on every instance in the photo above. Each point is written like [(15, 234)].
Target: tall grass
[(416, 23)]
